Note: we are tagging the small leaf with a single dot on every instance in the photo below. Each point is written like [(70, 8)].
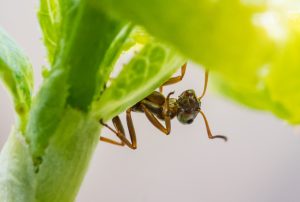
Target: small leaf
[(52, 18), (16, 72)]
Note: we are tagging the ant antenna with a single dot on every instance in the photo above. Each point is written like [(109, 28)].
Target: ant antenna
[(205, 85), (209, 134)]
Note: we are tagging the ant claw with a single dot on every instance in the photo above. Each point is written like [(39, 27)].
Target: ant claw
[(221, 137)]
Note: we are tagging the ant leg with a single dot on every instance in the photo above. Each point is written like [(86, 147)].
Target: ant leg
[(155, 121), (205, 85), (176, 79), (209, 134), (131, 128), (108, 140), (120, 130)]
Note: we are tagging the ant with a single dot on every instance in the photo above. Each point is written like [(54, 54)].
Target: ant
[(157, 106)]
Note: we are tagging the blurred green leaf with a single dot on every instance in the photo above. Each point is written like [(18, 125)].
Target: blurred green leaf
[(243, 42), (283, 79), (214, 33)]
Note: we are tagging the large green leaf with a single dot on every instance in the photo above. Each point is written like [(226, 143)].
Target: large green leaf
[(244, 42), (16, 72), (274, 85), (283, 79), (202, 30)]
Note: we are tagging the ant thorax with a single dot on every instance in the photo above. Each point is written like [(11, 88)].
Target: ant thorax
[(188, 107), (173, 107)]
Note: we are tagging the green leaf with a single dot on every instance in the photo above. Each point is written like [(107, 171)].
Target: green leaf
[(50, 21), (52, 17), (283, 79), (274, 85), (16, 72), (243, 42), (90, 52), (113, 53), (207, 31), (146, 71)]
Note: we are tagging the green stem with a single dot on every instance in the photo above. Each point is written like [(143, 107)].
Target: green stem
[(61, 134)]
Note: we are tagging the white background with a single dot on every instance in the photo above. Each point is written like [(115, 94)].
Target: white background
[(260, 163)]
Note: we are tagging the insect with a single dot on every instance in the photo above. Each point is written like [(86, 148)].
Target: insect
[(158, 107)]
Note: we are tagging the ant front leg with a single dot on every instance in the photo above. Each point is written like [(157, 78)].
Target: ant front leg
[(166, 116), (209, 133), (174, 80), (120, 133)]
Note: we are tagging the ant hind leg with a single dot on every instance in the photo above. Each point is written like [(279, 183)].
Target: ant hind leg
[(120, 133), (108, 140)]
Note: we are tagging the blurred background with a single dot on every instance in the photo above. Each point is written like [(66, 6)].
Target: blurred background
[(259, 162)]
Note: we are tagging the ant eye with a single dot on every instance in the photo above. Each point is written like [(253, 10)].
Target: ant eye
[(190, 121), (186, 118)]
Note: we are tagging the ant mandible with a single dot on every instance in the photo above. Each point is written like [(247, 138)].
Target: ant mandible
[(157, 106)]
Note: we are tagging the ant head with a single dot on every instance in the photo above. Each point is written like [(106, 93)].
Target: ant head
[(188, 107)]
